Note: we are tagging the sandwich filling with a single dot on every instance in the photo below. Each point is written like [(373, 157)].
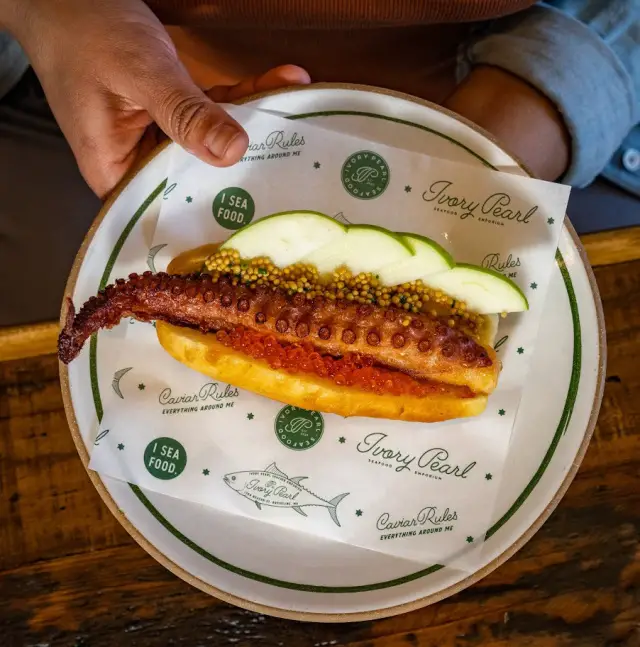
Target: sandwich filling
[(352, 369)]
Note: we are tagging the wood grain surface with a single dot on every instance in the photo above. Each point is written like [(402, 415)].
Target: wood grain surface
[(71, 576)]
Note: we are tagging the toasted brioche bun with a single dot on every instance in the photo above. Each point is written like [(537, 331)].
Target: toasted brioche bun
[(203, 353)]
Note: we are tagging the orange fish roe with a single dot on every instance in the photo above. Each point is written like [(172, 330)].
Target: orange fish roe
[(350, 370)]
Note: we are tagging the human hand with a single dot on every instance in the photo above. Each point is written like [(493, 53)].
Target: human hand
[(522, 119), (111, 73)]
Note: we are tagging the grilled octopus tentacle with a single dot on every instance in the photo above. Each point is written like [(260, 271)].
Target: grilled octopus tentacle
[(426, 348)]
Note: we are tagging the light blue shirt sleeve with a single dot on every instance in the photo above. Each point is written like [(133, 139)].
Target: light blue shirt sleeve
[(13, 63), (584, 55)]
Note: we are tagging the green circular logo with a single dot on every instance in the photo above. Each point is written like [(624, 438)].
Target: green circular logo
[(233, 208), (298, 428), (165, 458), (365, 175)]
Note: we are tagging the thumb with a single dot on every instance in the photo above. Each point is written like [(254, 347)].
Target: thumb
[(190, 118)]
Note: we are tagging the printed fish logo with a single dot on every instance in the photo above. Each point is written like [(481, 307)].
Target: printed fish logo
[(274, 488)]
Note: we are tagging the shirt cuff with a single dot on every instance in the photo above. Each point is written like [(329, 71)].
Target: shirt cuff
[(577, 71)]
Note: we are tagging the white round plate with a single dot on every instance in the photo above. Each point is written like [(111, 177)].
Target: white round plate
[(232, 557)]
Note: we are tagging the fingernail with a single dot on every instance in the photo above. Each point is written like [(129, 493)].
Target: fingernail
[(219, 140)]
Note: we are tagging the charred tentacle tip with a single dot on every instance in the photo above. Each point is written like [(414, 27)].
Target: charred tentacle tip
[(68, 345)]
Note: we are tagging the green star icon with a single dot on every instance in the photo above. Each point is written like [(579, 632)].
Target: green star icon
[(520, 350), (316, 165), (358, 513), (488, 476), (469, 540), (550, 221), (250, 416), (141, 386), (534, 286), (189, 199), (120, 446), (342, 440), (407, 189), (501, 412), (206, 472)]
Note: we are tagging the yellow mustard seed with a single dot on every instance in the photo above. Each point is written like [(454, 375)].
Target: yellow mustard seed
[(362, 287)]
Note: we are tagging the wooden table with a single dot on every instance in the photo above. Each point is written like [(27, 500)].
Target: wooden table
[(71, 576)]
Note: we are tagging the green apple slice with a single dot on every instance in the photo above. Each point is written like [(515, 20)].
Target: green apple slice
[(428, 258), (286, 237), (484, 291), (365, 248)]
